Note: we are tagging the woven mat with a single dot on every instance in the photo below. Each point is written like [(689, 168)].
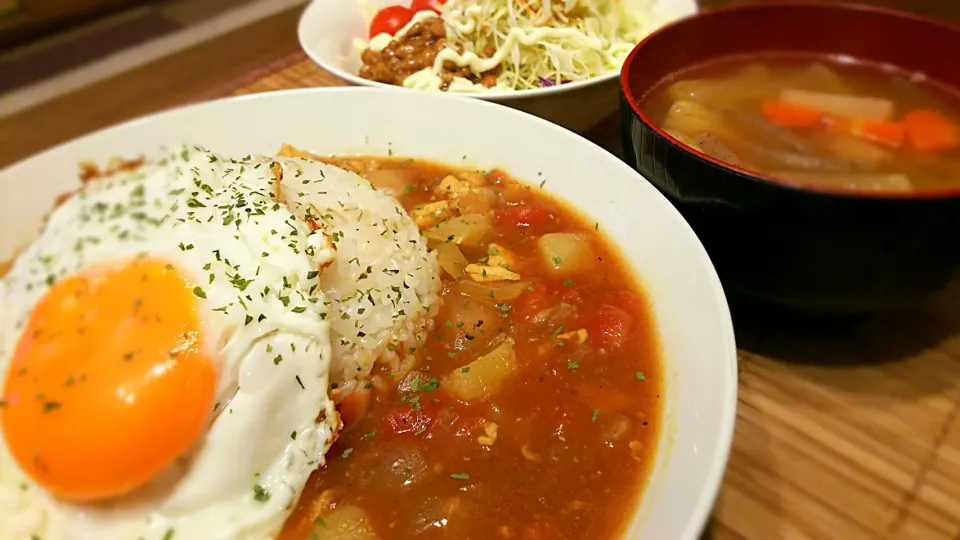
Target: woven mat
[(843, 433)]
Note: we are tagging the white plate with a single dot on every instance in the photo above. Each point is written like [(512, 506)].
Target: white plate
[(328, 27), (690, 309)]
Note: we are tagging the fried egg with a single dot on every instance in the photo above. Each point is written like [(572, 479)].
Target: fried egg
[(164, 358)]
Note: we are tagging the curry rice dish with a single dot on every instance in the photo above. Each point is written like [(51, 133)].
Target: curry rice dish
[(329, 348)]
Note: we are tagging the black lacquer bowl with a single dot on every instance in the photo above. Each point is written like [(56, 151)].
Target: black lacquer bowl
[(778, 243)]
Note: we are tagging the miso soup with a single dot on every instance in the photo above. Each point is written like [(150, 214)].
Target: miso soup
[(820, 123)]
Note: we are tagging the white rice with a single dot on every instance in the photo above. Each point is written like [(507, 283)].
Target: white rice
[(383, 283)]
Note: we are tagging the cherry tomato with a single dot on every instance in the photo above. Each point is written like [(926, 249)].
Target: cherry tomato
[(410, 420), (609, 327), (523, 216), (390, 19), (426, 5)]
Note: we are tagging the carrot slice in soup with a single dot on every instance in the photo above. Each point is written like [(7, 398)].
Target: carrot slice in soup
[(888, 133), (790, 115), (929, 130)]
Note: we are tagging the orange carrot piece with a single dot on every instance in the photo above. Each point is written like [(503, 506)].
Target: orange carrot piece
[(889, 133), (929, 130), (790, 115)]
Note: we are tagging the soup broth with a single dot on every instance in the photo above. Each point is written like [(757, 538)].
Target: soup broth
[(816, 122), (531, 413)]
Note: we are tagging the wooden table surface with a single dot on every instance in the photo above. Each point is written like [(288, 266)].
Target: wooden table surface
[(844, 432)]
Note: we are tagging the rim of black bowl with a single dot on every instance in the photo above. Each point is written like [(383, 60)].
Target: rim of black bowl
[(758, 177)]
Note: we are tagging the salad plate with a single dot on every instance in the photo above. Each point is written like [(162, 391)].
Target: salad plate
[(583, 51)]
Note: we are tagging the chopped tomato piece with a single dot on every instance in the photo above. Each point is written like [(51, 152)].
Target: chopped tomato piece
[(532, 301), (389, 20), (470, 427), (604, 399), (931, 131), (625, 300), (790, 115), (522, 216), (608, 326), (540, 531), (354, 406), (410, 420), (540, 296), (427, 5), (570, 295)]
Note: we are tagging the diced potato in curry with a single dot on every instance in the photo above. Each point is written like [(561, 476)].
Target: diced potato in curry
[(566, 253), (484, 376), (495, 291), (451, 259)]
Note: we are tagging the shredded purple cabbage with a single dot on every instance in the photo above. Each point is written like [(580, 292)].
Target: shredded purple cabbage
[(546, 83)]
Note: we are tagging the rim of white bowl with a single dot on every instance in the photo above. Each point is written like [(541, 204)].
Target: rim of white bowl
[(697, 520), (356, 80)]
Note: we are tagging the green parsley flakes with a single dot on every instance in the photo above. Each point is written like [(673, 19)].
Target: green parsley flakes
[(260, 494)]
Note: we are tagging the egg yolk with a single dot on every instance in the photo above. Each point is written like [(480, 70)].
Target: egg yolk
[(110, 382)]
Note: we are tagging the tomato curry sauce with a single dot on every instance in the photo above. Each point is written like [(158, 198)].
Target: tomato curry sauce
[(532, 411)]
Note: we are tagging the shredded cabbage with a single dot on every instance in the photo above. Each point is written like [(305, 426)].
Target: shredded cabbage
[(536, 43)]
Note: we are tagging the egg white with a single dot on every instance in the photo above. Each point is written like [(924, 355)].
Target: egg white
[(264, 318)]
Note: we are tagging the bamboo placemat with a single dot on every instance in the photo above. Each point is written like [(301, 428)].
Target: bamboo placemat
[(845, 433)]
